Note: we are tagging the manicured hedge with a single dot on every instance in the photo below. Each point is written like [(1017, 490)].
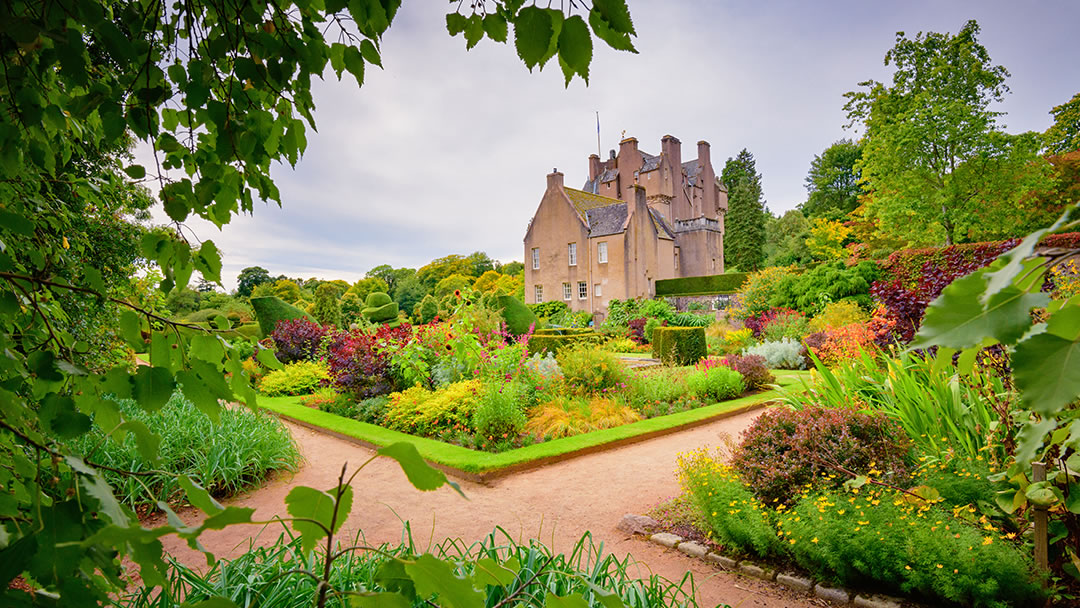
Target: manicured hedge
[(563, 331), (553, 342), (705, 285), (679, 345), (271, 309), (518, 317)]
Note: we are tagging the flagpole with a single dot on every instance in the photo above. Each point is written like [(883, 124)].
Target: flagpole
[(598, 134)]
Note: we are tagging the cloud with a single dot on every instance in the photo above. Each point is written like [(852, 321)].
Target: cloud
[(445, 151)]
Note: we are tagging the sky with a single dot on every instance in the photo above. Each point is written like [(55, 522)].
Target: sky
[(446, 150)]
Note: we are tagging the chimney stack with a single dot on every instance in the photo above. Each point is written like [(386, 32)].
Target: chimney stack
[(628, 148), (594, 166), (703, 154), (555, 180)]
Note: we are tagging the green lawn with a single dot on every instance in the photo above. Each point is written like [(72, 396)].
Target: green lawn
[(477, 464)]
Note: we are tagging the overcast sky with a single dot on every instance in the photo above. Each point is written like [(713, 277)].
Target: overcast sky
[(446, 150)]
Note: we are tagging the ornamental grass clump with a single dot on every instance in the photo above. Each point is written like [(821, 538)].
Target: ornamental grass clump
[(784, 450)]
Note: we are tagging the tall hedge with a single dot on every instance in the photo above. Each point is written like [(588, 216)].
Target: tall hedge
[(539, 343), (271, 309), (679, 345), (703, 285)]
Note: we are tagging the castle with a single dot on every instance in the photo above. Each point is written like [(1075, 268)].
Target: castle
[(638, 219)]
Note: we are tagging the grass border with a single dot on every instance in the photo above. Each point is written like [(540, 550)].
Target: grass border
[(480, 466)]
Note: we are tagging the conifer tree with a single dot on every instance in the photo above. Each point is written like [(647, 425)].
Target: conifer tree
[(744, 225), (327, 309)]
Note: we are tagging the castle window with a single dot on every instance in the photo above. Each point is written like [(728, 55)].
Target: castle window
[(536, 258), (572, 253), (596, 290), (566, 291), (601, 252), (582, 290), (539, 292)]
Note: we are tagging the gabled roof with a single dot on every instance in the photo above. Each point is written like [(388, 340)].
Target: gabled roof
[(662, 229), (605, 216), (692, 168), (607, 220)]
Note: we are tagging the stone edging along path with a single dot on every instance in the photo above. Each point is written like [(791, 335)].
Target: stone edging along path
[(792, 580)]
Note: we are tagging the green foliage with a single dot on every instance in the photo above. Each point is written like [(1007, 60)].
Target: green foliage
[(588, 370), (548, 309), (499, 414), (933, 150), (224, 458), (715, 383), (250, 278), (429, 309), (455, 283), (270, 309), (300, 378), (1064, 135), (704, 285), (744, 223), (785, 239), (408, 292), (838, 314), (419, 411), (327, 309), (379, 308), (679, 345), (812, 290), (553, 343), (832, 184), (518, 318), (759, 287)]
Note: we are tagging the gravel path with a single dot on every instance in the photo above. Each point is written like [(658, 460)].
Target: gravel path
[(556, 504)]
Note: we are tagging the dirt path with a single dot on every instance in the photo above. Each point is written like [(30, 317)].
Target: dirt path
[(555, 504)]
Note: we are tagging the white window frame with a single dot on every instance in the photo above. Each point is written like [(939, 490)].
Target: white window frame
[(601, 252), (571, 253), (566, 291), (582, 290), (596, 290), (536, 258), (538, 293)]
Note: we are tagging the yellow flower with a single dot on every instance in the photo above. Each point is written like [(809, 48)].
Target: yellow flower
[(814, 540), (988, 540), (940, 566), (907, 567)]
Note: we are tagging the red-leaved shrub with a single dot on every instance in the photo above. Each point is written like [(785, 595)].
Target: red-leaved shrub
[(785, 450), (755, 372), (297, 339), (360, 362)]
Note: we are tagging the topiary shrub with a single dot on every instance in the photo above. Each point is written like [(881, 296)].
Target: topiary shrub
[(679, 345), (519, 319), (271, 309), (379, 308), (785, 450)]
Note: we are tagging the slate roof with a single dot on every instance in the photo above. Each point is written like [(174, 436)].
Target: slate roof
[(605, 216), (692, 168), (649, 162)]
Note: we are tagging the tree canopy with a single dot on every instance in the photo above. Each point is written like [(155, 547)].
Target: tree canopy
[(937, 165), (832, 184), (744, 224), (219, 92), (1064, 135)]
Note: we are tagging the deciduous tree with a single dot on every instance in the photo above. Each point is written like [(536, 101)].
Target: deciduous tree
[(832, 184)]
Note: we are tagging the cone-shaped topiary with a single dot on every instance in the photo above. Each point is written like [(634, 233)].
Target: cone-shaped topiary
[(271, 309), (381, 309)]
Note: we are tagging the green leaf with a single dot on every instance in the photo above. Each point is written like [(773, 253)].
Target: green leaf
[(212, 602), (131, 330), (495, 27), (966, 362), (373, 599), (1010, 500), (490, 572), (421, 475), (392, 576), (434, 576), (1065, 323), (533, 32), (957, 319), (574, 600), (354, 62), (230, 516), (153, 386), (575, 48), (1072, 500), (1043, 494), (616, 14), (474, 31), (1046, 370), (1011, 264), (455, 23), (60, 417), (199, 497), (208, 262), (207, 348), (609, 599), (146, 442), (370, 53), (266, 357), (220, 322), (311, 504), (617, 40), (95, 486), (1029, 441), (135, 171)]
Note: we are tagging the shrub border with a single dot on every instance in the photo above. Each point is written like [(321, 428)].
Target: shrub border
[(482, 467)]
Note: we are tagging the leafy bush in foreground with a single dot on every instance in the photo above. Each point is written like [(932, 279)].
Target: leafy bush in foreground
[(225, 458), (784, 450)]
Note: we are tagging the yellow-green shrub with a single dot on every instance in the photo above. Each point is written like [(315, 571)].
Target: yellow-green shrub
[(838, 314), (587, 369), (300, 378), (422, 412), (759, 286)]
